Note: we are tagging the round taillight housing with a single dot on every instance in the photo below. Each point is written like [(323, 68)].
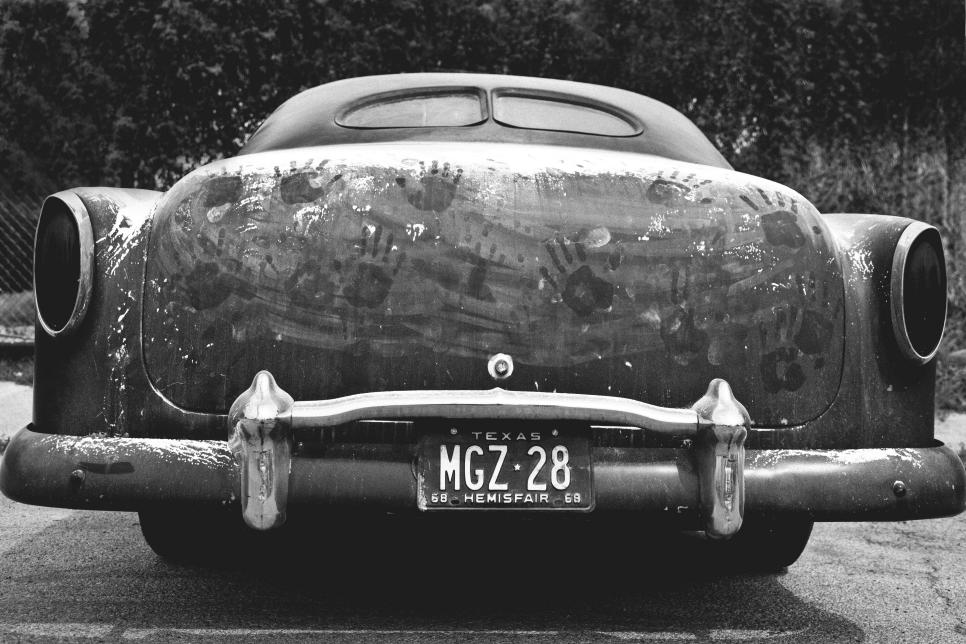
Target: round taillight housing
[(918, 292), (63, 263)]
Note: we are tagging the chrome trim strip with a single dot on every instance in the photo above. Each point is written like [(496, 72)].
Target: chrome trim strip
[(85, 285), (495, 404), (899, 257)]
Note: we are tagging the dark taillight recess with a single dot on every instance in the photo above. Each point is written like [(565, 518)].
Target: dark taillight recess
[(63, 263), (918, 292)]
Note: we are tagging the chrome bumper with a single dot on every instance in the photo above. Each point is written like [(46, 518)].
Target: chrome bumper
[(825, 485), (686, 484), (262, 418)]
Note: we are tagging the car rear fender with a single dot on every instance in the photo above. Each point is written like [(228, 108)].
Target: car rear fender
[(885, 399), (85, 373)]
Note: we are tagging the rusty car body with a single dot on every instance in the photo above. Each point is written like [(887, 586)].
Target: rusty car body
[(442, 293)]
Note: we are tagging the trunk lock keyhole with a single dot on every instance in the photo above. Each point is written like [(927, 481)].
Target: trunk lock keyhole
[(500, 366)]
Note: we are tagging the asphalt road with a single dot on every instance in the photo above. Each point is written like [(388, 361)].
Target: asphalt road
[(88, 576)]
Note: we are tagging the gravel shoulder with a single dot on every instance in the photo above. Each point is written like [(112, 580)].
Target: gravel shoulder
[(16, 401), (951, 430)]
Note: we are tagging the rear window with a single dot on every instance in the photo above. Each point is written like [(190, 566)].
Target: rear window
[(437, 109), (546, 113)]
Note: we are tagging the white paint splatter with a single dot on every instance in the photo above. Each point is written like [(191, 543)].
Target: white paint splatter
[(860, 258), (210, 454), (773, 457), (414, 230), (217, 213), (129, 222)]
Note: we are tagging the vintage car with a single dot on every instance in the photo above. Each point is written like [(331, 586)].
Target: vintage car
[(444, 294)]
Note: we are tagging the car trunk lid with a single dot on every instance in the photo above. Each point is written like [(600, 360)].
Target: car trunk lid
[(378, 267)]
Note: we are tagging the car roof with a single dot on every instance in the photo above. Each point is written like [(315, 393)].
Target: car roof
[(313, 116)]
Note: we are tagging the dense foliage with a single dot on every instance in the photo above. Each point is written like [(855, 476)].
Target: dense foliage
[(858, 104)]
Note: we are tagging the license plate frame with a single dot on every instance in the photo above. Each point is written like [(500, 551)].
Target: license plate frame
[(435, 469)]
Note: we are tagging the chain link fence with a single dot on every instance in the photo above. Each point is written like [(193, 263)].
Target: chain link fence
[(18, 219)]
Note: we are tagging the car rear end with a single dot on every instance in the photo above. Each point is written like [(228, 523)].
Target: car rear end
[(432, 326)]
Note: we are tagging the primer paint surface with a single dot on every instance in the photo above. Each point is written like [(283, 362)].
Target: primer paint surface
[(347, 269)]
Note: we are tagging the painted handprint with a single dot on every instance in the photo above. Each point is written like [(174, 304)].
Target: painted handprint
[(301, 187), (582, 291), (780, 368), (779, 222), (683, 340), (434, 189), (369, 285)]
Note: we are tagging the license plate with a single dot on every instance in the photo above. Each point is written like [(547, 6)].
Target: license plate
[(464, 466)]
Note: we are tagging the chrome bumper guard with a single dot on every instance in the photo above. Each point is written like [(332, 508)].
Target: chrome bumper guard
[(262, 420)]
